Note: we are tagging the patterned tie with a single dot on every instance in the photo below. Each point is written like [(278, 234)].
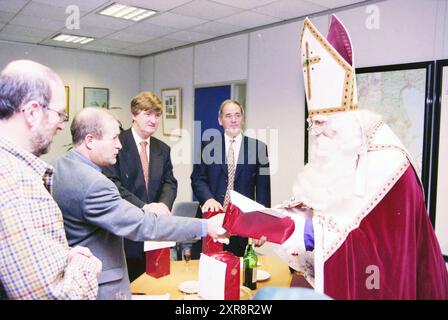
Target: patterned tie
[(230, 173), (145, 162)]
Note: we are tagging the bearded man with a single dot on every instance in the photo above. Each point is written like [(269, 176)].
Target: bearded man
[(362, 229)]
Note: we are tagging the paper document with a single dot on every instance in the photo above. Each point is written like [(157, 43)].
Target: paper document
[(153, 245), (248, 205)]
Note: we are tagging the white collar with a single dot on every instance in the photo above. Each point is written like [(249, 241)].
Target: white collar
[(238, 138), (137, 138)]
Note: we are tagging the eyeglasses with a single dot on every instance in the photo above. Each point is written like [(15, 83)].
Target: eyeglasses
[(63, 116)]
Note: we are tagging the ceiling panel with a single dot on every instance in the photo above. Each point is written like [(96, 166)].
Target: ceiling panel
[(288, 9), (37, 22), (206, 10), (20, 38), (89, 31), (41, 10), (6, 16), (244, 4), (174, 20), (26, 31), (150, 29), (189, 36), (12, 6), (249, 19), (216, 28), (334, 3), (159, 5), (129, 36), (97, 20), (166, 43), (83, 5)]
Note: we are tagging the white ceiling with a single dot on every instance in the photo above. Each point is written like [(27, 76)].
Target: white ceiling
[(178, 22)]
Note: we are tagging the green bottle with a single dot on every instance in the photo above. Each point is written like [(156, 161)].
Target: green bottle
[(250, 261)]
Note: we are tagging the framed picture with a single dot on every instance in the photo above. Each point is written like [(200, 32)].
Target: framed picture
[(402, 95), (439, 177), (67, 102), (96, 97), (172, 112)]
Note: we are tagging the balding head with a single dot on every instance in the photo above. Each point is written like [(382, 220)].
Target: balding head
[(22, 81), (95, 134), (89, 121)]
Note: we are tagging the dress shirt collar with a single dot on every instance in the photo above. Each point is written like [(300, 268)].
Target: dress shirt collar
[(85, 160), (138, 139), (237, 138)]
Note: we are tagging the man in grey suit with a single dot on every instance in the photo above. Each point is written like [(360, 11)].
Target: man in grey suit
[(96, 216)]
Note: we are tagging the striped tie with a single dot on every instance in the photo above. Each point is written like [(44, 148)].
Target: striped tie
[(145, 162), (230, 173)]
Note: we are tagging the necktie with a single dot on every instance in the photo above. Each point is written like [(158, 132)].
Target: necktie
[(145, 162), (230, 173)]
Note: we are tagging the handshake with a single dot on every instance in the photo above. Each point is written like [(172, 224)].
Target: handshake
[(214, 224)]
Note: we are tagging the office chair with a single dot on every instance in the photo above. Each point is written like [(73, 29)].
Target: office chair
[(184, 209)]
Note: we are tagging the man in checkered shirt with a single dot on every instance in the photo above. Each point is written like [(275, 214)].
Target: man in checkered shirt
[(35, 259)]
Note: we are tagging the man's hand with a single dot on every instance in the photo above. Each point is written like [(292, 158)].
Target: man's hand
[(78, 250), (157, 207), (212, 205), (215, 229)]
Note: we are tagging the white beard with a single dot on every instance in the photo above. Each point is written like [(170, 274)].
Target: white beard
[(330, 176)]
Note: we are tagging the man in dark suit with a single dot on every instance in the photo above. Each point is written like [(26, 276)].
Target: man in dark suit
[(143, 172), (214, 176)]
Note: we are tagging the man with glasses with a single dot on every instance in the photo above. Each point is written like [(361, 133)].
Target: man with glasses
[(35, 259), (63, 116)]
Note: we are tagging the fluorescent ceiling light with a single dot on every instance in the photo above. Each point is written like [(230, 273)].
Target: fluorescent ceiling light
[(71, 38), (122, 11)]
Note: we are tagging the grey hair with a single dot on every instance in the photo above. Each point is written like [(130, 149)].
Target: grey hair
[(223, 104), (17, 89)]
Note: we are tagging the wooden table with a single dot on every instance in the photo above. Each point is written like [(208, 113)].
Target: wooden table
[(280, 277)]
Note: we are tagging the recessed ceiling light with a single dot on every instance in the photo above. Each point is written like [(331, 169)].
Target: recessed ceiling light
[(71, 38), (123, 11)]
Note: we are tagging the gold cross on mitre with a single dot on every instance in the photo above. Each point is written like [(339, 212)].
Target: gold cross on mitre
[(309, 61)]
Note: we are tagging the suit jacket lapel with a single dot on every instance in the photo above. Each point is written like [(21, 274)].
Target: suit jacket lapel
[(224, 157), (241, 157), (131, 154), (155, 164)]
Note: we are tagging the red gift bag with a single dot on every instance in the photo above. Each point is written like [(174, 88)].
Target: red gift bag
[(256, 224), (209, 246), (232, 280), (158, 262)]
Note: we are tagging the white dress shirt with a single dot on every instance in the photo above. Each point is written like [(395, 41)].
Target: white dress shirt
[(138, 140), (236, 145)]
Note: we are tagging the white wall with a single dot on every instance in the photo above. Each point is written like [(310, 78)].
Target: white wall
[(82, 69), (175, 70), (221, 61)]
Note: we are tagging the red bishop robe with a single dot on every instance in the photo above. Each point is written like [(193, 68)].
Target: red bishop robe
[(396, 239)]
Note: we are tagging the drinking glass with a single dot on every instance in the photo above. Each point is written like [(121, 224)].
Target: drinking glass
[(187, 257)]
